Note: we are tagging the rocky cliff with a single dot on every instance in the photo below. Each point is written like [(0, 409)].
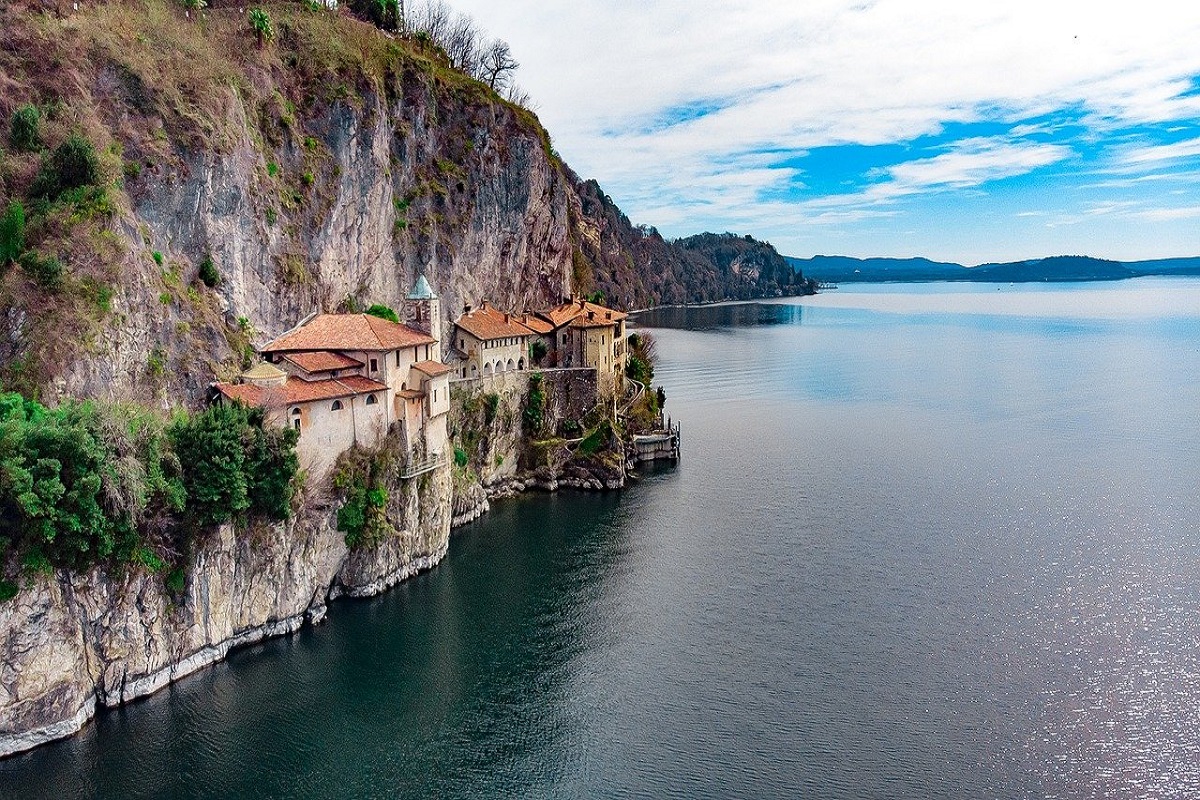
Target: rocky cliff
[(321, 170), (221, 189), (70, 643)]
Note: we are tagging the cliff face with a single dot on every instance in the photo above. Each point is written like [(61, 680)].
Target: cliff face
[(636, 267), (324, 171), (73, 642)]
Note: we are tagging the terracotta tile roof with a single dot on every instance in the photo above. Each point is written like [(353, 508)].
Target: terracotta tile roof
[(487, 323), (410, 394), (297, 390), (322, 361), (567, 313), (431, 368), (536, 323), (349, 332)]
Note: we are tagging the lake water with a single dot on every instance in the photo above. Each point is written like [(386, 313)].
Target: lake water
[(925, 541)]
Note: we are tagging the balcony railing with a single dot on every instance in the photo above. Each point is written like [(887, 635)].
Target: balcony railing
[(420, 467)]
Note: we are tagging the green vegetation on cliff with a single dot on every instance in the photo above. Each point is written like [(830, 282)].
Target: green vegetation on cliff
[(86, 483)]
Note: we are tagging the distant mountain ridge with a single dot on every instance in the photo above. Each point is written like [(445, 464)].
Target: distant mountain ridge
[(846, 269)]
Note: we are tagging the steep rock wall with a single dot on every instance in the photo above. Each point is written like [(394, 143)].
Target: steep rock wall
[(74, 642)]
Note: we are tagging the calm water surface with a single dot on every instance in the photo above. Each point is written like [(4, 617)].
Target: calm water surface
[(925, 541)]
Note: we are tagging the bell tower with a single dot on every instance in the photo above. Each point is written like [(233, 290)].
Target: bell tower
[(423, 312)]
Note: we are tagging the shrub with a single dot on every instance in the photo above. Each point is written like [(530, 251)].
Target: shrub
[(176, 581), (46, 271), (460, 457), (158, 258), (639, 370), (8, 590), (260, 23), (491, 405), (535, 404), (209, 275), (75, 481), (72, 165), (210, 446), (12, 233), (233, 463), (23, 128), (383, 312), (362, 516)]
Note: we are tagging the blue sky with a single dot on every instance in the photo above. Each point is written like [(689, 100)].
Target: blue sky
[(956, 130)]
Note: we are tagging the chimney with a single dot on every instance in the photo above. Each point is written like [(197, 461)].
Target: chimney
[(483, 304), (591, 315), (466, 308), (608, 315), (506, 317), (582, 302)]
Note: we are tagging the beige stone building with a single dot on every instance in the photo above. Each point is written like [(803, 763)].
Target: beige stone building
[(579, 333), (490, 342), (346, 379)]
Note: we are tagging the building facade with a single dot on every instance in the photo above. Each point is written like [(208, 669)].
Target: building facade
[(350, 379)]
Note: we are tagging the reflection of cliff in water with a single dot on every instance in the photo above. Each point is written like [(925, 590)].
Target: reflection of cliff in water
[(732, 315)]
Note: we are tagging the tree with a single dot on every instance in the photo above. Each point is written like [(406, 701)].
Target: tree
[(72, 165), (260, 23), (12, 233), (383, 312), (497, 65), (23, 128)]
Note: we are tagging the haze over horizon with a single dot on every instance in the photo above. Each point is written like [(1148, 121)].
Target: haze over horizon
[(953, 131)]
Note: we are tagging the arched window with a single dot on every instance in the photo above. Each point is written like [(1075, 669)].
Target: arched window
[(372, 400), (296, 411), (337, 406)]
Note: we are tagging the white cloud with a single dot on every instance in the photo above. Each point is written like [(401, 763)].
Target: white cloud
[(1163, 152), (786, 77)]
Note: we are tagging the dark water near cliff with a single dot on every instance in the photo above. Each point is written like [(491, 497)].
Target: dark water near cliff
[(930, 541)]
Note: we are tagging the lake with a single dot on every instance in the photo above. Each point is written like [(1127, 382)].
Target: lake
[(930, 540)]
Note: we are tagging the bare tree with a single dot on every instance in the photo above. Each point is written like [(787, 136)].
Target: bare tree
[(497, 65), (462, 43), (518, 96), (433, 19), (461, 39)]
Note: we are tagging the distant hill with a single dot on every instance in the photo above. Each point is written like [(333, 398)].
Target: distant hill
[(844, 269)]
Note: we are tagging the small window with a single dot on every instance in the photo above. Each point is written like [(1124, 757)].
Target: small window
[(397, 358), (374, 365), (372, 400), (435, 395), (337, 406), (296, 423), (296, 411)]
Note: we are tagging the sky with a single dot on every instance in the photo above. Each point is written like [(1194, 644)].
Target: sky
[(968, 131)]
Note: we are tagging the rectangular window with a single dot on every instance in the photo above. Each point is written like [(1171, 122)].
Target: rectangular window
[(397, 358), (374, 365)]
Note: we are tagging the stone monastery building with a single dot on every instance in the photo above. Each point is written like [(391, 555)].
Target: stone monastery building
[(346, 379)]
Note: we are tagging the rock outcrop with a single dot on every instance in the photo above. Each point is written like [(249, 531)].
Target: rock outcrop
[(75, 642)]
